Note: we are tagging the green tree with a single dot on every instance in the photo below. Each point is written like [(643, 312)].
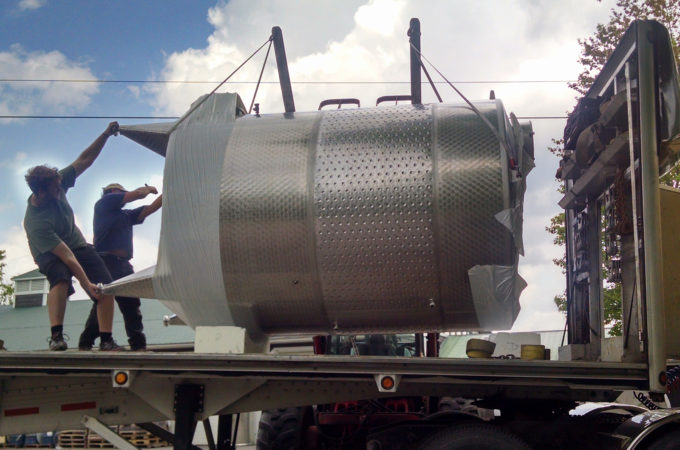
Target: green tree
[(6, 289), (594, 53)]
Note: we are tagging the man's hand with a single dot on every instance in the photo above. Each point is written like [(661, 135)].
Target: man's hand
[(112, 129), (92, 289), (65, 254), (139, 193), (150, 209)]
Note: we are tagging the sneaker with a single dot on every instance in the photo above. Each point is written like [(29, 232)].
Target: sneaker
[(57, 343), (84, 348), (138, 349), (110, 346)]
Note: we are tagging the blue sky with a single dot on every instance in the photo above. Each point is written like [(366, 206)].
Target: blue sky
[(198, 40)]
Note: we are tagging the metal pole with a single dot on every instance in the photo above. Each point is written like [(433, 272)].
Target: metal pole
[(569, 256), (224, 432), (420, 347), (630, 248), (651, 211), (282, 66), (188, 401), (414, 40), (432, 345), (209, 434), (595, 319)]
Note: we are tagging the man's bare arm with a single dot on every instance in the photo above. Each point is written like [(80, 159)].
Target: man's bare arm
[(150, 209), (139, 193), (88, 156), (65, 254)]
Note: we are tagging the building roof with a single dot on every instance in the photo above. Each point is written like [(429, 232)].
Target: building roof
[(33, 274), (25, 329)]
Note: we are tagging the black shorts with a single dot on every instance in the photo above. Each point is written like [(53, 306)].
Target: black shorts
[(56, 271)]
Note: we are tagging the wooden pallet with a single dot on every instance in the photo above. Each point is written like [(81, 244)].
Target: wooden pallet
[(143, 439), (72, 439), (88, 439), (96, 441)]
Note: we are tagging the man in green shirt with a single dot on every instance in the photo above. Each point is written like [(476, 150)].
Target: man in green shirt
[(59, 248)]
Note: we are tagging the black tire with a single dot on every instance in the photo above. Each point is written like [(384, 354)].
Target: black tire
[(667, 441), (280, 429), (473, 436)]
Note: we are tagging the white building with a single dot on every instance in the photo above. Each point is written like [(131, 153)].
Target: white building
[(30, 289)]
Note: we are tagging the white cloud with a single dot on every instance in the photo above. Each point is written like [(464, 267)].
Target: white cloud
[(135, 90), (6, 207), (366, 41), (15, 162), (380, 16), (31, 4), (27, 98), (19, 259), (145, 252)]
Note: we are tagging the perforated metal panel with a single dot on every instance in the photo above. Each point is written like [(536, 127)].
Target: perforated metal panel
[(472, 186), (373, 202), (361, 220), (266, 229)]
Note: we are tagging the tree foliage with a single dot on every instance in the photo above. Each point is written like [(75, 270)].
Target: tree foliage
[(6, 289), (594, 53), (596, 49)]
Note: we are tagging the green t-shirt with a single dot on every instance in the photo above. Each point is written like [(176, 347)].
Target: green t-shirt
[(48, 225)]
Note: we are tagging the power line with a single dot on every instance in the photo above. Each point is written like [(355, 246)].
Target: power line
[(541, 117), (86, 117), (177, 117), (26, 80)]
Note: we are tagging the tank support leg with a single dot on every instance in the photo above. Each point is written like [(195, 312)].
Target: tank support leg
[(105, 432), (224, 440), (188, 402)]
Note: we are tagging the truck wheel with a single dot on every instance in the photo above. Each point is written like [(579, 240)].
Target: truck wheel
[(280, 429), (473, 436), (667, 441)]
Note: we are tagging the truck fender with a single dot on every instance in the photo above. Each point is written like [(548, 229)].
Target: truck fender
[(648, 427)]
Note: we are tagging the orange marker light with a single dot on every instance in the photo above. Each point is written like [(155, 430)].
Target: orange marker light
[(387, 383), (121, 378)]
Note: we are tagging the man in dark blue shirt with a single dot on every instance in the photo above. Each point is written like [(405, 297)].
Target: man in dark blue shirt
[(113, 242)]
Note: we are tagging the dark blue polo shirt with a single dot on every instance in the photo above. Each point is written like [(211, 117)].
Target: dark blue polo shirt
[(113, 224)]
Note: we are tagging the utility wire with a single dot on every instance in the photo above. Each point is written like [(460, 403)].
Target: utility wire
[(22, 80), (177, 117), (85, 117), (257, 86), (509, 150), (200, 102)]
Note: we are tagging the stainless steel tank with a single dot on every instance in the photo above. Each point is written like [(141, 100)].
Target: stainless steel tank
[(396, 218)]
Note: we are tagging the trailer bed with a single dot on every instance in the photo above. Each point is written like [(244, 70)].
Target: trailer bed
[(47, 390)]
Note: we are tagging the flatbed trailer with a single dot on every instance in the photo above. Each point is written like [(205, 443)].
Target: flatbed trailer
[(55, 391)]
